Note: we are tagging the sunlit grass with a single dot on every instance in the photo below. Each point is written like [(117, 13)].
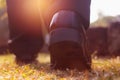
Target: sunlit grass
[(103, 69), (43, 58), (7, 59)]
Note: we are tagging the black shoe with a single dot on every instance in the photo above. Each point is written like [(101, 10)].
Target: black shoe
[(26, 48), (67, 42)]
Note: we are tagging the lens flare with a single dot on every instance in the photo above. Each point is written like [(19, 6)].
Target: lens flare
[(33, 14)]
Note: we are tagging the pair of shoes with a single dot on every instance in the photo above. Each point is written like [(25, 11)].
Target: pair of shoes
[(68, 42), (67, 39)]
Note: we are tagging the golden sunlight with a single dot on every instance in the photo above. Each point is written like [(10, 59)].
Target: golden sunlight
[(31, 5)]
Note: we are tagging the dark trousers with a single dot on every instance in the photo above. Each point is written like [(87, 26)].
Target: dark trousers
[(82, 7), (26, 19), (27, 13)]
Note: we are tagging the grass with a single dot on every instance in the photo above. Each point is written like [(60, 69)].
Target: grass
[(103, 69)]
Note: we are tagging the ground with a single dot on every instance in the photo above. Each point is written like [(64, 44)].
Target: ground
[(103, 69)]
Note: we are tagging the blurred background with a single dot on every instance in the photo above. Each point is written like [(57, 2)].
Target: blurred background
[(103, 13), (4, 31)]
